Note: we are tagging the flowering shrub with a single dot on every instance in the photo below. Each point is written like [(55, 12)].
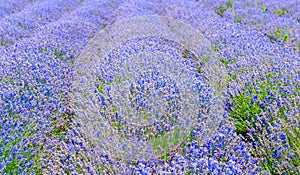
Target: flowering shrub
[(149, 87)]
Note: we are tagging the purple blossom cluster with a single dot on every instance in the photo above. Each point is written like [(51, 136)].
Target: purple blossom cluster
[(9, 7), (149, 87)]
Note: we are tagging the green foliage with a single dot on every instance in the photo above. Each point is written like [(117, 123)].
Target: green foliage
[(223, 159), (225, 62), (244, 109), (217, 45), (72, 60), (198, 69), (233, 60), (281, 12), (146, 116), (38, 168), (188, 172), (233, 77), (222, 8), (61, 126), (43, 50), (59, 54), (163, 143), (4, 43), (7, 81), (263, 9), (230, 4), (206, 60), (58, 131), (12, 168), (239, 19), (286, 37), (191, 137), (117, 80), (242, 112), (23, 26), (268, 164), (278, 34), (100, 87), (186, 54), (79, 171), (294, 141)]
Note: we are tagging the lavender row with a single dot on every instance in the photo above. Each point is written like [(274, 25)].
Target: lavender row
[(267, 74), (25, 23), (263, 71), (36, 80)]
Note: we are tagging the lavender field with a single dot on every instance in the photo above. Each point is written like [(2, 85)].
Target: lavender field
[(149, 87)]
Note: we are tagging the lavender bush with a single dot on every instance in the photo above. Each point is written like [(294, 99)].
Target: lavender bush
[(149, 87)]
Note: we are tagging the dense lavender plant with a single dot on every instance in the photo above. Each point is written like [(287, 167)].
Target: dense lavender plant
[(255, 88), (36, 77), (132, 100)]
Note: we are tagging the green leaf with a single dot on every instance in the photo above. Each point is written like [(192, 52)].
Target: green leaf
[(286, 37), (263, 9), (100, 88)]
